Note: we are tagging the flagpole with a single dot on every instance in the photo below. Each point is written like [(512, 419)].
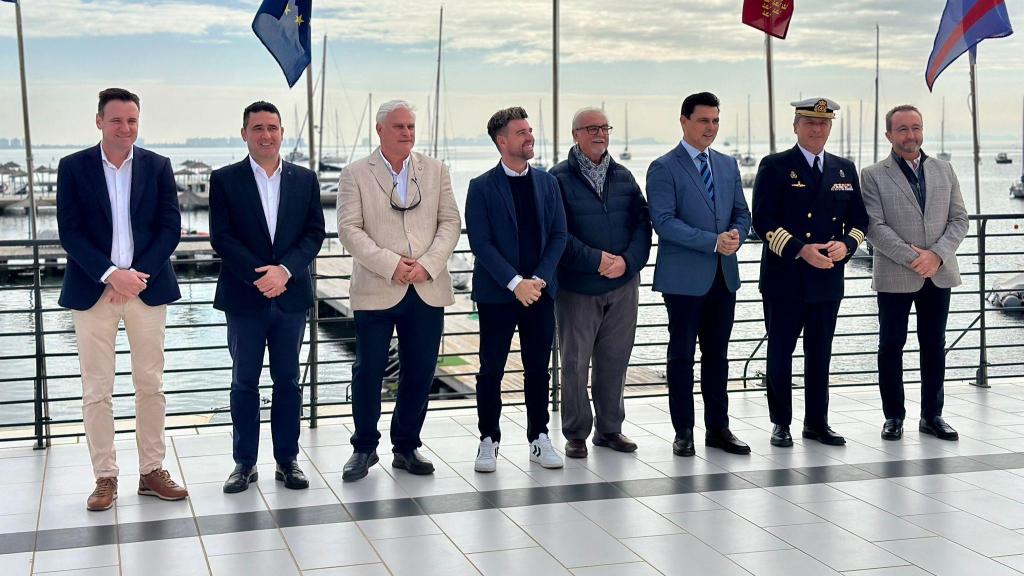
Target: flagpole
[(554, 82), (771, 93), (28, 135), (974, 126), (309, 105)]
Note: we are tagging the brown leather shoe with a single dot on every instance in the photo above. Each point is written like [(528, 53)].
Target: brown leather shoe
[(102, 498), (158, 483), (615, 441), (576, 448)]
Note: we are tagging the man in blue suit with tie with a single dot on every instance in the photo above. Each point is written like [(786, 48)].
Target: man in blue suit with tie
[(701, 217), (516, 225), (118, 220), (267, 225)]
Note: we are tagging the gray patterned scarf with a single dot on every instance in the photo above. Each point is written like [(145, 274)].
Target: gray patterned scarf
[(595, 173)]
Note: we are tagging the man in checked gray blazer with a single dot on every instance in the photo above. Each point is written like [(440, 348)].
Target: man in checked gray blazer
[(917, 220)]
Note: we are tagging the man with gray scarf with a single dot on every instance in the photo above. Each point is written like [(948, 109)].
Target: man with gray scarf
[(599, 275)]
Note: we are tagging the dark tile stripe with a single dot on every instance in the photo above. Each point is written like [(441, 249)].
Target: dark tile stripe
[(461, 502)]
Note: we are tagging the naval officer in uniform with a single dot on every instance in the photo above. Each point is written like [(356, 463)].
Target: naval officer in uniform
[(808, 210)]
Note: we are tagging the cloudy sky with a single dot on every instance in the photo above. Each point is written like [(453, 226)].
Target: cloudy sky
[(196, 63)]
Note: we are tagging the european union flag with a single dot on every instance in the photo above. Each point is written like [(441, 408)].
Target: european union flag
[(965, 23), (283, 27)]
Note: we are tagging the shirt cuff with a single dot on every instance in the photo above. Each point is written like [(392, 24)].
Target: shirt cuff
[(107, 274), (286, 270), (514, 282)]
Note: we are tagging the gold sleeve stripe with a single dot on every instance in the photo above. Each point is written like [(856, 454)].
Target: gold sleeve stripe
[(777, 240), (856, 235)]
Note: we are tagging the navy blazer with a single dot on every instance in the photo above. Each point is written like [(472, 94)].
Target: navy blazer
[(239, 234), (494, 233), (86, 229), (688, 222)]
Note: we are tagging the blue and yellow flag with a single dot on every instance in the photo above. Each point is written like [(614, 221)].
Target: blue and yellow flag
[(283, 27)]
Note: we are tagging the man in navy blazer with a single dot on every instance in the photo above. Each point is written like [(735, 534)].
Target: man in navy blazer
[(118, 220), (516, 225), (267, 225), (701, 217)]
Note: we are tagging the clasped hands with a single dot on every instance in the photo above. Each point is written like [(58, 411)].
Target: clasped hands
[(528, 291), (728, 242), (927, 262), (123, 285), (611, 266), (835, 251), (273, 282), (409, 271)]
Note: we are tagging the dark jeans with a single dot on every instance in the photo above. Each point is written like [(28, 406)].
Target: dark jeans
[(707, 319), (249, 335), (536, 332), (784, 320), (419, 327), (932, 306)]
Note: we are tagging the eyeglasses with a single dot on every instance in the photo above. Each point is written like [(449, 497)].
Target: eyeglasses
[(393, 197), (593, 130)]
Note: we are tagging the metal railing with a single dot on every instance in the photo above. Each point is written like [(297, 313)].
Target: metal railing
[(983, 346)]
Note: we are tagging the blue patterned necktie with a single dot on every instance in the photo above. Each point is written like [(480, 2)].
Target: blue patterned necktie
[(705, 174)]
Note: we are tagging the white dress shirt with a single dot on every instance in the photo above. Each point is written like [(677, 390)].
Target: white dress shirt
[(809, 156), (694, 152), (400, 179), (119, 190), (269, 186), (517, 278)]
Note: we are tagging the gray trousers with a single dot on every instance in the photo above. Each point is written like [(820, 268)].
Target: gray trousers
[(596, 330)]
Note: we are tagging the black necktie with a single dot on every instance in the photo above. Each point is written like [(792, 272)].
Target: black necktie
[(817, 172)]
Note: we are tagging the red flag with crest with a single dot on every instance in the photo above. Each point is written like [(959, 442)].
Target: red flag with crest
[(770, 16)]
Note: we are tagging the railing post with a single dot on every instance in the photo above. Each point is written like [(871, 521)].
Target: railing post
[(555, 382), (314, 365), (982, 374), (41, 386)]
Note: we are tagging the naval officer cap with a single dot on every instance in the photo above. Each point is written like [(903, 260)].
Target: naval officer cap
[(815, 108)]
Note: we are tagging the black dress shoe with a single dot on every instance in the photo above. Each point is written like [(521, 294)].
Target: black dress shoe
[(683, 444), (615, 441), (781, 436), (937, 427), (892, 429), (240, 478), (727, 441), (576, 448), (413, 463), (824, 435), (358, 466), (292, 476)]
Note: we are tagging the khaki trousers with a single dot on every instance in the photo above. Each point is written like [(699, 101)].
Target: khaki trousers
[(96, 331)]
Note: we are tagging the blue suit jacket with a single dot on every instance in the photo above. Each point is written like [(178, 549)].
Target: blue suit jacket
[(688, 222), (239, 234), (494, 233), (85, 226)]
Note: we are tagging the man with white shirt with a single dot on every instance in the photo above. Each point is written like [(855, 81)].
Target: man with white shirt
[(809, 213), (267, 225), (118, 220), (515, 219), (398, 218)]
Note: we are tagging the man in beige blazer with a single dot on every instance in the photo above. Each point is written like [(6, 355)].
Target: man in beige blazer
[(917, 220), (398, 218)]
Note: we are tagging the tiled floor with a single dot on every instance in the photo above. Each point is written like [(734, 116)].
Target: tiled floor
[(872, 508)]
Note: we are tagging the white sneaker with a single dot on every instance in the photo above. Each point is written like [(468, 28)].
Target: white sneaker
[(542, 452), (486, 456)]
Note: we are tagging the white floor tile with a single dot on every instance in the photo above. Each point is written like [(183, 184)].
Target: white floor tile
[(177, 557), (264, 563), (577, 544), (626, 518), (76, 558), (682, 555), (727, 532), (482, 531), (835, 547), (944, 558), (243, 542), (327, 545), (432, 555), (782, 563), (967, 530), (519, 561)]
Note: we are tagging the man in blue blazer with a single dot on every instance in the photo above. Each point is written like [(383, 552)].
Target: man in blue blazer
[(267, 225), (701, 217), (516, 225), (118, 220)]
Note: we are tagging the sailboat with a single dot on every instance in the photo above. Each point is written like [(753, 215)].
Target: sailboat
[(748, 158), (1017, 188), (538, 160), (626, 154), (943, 155)]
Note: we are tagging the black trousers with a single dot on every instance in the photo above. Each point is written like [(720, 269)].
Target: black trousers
[(932, 306), (784, 320), (419, 326), (536, 332), (707, 319)]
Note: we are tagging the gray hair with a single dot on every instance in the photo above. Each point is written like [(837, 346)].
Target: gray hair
[(390, 106), (585, 110)]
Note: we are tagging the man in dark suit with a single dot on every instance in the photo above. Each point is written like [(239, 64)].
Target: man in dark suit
[(516, 226), (808, 210), (118, 220), (267, 225), (701, 216)]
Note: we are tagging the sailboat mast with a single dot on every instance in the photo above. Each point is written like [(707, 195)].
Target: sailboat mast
[(877, 49), (369, 127), (437, 83), (627, 126), (323, 94), (942, 132), (748, 126), (860, 134)]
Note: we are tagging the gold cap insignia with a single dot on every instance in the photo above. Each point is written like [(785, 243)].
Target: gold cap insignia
[(821, 106)]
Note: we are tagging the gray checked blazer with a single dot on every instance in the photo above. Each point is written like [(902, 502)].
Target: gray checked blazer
[(896, 221)]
